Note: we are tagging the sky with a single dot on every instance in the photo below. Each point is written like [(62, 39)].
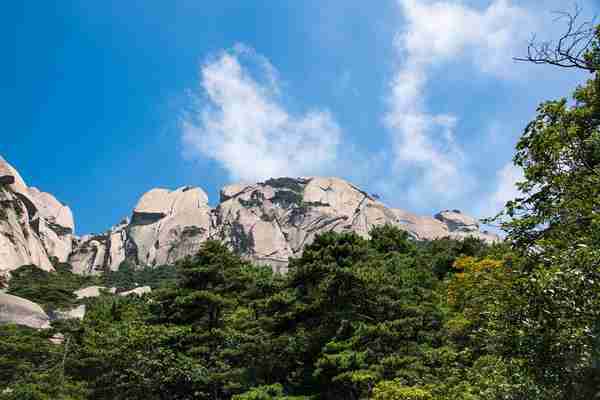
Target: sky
[(418, 101)]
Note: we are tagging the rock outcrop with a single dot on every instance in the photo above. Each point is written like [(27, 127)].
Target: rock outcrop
[(92, 291), (272, 221), (19, 242), (19, 311), (138, 291), (93, 254), (34, 226), (461, 226), (266, 222), (164, 227), (453, 224)]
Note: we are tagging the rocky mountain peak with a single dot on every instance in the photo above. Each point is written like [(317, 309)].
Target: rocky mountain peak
[(34, 226), (267, 222)]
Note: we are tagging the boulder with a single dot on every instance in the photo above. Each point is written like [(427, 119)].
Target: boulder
[(462, 226), (16, 310), (92, 291), (57, 339), (138, 291)]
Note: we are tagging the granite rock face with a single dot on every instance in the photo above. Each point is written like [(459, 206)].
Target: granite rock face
[(271, 221), (19, 311), (138, 291), (34, 226), (453, 224), (92, 291), (19, 242), (266, 222), (165, 226), (93, 254)]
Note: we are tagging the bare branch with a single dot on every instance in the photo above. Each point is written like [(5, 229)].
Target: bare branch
[(571, 49)]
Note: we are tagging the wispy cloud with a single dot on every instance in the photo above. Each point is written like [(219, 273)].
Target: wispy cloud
[(242, 120), (435, 33), (242, 123)]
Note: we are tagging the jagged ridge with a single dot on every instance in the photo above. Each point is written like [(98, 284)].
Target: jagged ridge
[(267, 222)]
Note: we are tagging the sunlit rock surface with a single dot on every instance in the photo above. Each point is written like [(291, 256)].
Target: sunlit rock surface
[(19, 311), (266, 222)]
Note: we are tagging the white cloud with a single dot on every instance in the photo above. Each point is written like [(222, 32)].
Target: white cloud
[(244, 126), (506, 190), (434, 33), (443, 30)]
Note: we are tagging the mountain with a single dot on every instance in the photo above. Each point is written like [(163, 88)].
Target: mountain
[(267, 222), (34, 226)]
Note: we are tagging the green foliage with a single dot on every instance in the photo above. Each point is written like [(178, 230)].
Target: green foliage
[(389, 239), (31, 367), (394, 390), (268, 392), (559, 153), (442, 253), (549, 320), (52, 290), (287, 198), (128, 276), (256, 200), (353, 319)]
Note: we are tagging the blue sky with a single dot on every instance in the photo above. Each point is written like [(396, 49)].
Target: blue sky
[(418, 101)]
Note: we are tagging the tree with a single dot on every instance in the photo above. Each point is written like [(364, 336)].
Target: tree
[(32, 367), (52, 290), (394, 390), (555, 226), (559, 153), (212, 301), (576, 48), (388, 239)]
